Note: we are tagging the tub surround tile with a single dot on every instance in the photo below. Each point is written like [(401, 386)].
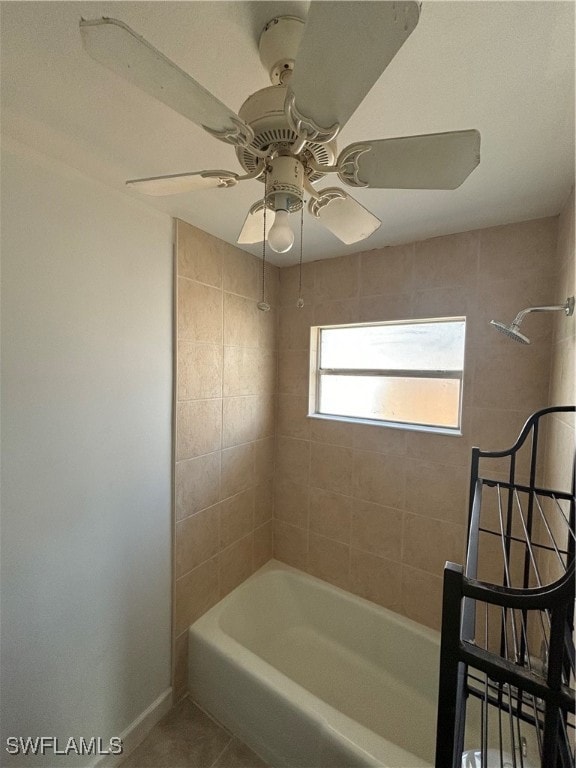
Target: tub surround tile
[(336, 278), (376, 579), (267, 329), (329, 560), (375, 495), (386, 306), (336, 312), (447, 262), (241, 322), (495, 299), (263, 460), (199, 255), (562, 383), (247, 418), (443, 302), (377, 529), (330, 514), (565, 240), (560, 464), (292, 417), (264, 502), (197, 484), (561, 432), (524, 248), (496, 429), (236, 517), (199, 370), (241, 272), (289, 284), (294, 328), (195, 593), (436, 490), (263, 544), (225, 348), (454, 449), (272, 283), (199, 312), (293, 371), (293, 459), (504, 376), (428, 544), (249, 371), (386, 270), (237, 469), (198, 428), (419, 479), (367, 437), (331, 432), (422, 597), (291, 544), (331, 468), (291, 502), (197, 539), (379, 478), (236, 564), (565, 327)]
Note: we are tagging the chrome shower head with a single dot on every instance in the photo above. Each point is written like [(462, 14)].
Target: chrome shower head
[(511, 331)]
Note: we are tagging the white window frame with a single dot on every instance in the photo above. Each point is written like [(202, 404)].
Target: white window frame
[(316, 372)]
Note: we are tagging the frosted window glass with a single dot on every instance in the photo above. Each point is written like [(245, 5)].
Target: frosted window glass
[(412, 346), (403, 373), (428, 402)]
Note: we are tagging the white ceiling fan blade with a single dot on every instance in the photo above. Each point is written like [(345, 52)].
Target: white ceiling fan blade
[(344, 49), (116, 46), (431, 161), (253, 226), (343, 216), (183, 182)]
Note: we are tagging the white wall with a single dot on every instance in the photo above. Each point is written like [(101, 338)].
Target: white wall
[(86, 452)]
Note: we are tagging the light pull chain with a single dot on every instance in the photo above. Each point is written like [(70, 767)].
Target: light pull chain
[(300, 301), (263, 304)]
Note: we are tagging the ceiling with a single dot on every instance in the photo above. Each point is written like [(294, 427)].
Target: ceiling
[(505, 68)]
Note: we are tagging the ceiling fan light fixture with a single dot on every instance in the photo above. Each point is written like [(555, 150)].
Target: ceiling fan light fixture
[(285, 191), (285, 134), (281, 236)]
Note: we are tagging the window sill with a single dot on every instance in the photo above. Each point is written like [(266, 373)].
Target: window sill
[(453, 432)]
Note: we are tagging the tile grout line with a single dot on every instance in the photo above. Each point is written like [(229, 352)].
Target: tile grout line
[(221, 753)]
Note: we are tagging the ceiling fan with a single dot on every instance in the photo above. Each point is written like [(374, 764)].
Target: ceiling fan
[(285, 135)]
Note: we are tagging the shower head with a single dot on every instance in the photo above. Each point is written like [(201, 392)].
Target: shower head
[(512, 330)]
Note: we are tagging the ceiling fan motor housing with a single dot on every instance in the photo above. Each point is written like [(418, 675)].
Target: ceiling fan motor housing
[(278, 46), (264, 113), (285, 184)]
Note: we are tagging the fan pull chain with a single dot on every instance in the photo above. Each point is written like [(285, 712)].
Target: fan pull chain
[(300, 301), (263, 304)]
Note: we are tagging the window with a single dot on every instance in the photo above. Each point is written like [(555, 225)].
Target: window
[(407, 373)]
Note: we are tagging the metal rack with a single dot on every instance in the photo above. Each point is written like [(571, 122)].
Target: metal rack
[(506, 693)]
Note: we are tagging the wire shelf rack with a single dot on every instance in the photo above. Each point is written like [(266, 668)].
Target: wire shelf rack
[(506, 695)]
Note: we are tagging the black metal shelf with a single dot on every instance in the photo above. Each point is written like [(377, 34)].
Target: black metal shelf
[(506, 695)]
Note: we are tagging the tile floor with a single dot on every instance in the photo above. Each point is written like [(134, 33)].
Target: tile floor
[(187, 738)]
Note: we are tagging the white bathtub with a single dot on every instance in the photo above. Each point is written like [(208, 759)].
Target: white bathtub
[(311, 676)]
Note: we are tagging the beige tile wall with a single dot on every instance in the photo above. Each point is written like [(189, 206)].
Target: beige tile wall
[(561, 437), (225, 406), (374, 510), (378, 510)]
